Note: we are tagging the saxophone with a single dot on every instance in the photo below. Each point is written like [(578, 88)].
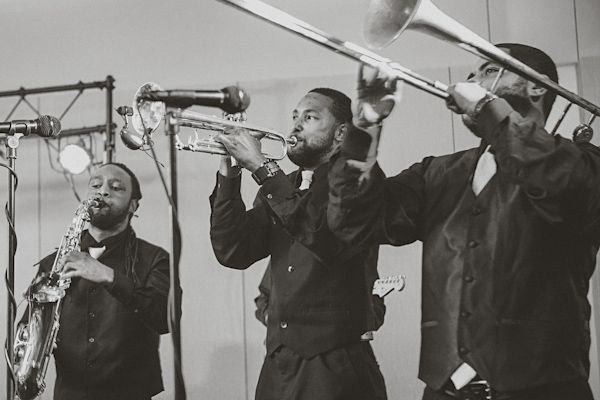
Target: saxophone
[(35, 340)]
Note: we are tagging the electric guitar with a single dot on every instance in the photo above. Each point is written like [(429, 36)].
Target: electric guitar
[(384, 286)]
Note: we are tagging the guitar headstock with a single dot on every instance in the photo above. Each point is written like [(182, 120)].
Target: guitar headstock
[(384, 286)]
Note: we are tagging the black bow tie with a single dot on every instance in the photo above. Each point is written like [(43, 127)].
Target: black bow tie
[(87, 242)]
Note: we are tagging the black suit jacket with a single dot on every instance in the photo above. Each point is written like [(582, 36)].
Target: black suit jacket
[(318, 297), (108, 341), (505, 273)]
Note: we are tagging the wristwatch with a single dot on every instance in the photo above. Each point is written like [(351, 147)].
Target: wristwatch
[(267, 170)]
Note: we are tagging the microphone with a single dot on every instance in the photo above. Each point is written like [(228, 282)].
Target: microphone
[(231, 99), (124, 110), (44, 126)]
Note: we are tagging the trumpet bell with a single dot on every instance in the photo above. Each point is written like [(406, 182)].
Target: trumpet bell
[(146, 117), (147, 114), (386, 19)]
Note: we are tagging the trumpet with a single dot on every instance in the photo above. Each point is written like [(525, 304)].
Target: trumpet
[(147, 115), (387, 19), (200, 121)]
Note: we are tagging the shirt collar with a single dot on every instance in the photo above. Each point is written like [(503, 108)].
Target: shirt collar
[(88, 241), (319, 174)]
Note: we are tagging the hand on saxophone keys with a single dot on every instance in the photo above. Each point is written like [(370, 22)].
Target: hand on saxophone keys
[(78, 264)]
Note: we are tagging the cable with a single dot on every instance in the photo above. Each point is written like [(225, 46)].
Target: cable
[(11, 295)]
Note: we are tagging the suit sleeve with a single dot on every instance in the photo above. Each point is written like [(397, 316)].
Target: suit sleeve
[(560, 177), (366, 208), (239, 238)]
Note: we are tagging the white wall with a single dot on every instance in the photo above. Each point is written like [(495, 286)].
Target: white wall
[(206, 44)]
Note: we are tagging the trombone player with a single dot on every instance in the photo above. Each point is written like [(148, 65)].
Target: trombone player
[(510, 232)]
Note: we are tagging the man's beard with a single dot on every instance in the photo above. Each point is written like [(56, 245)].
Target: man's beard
[(107, 220), (306, 156), (515, 95)]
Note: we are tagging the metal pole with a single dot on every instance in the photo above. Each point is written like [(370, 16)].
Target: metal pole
[(109, 134), (11, 154), (171, 127), (51, 89)]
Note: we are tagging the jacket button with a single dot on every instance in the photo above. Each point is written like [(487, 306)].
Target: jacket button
[(465, 314), (463, 350), (468, 278), (92, 315), (290, 269), (269, 196), (283, 324), (476, 211), (473, 244), (91, 340)]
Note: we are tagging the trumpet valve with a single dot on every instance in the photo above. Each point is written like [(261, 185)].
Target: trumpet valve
[(237, 117), (207, 146), (179, 145)]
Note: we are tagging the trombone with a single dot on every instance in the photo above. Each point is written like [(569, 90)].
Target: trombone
[(387, 19), (146, 115)]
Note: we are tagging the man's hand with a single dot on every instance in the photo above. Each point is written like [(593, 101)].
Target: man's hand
[(78, 264), (378, 91), (243, 147), (464, 97)]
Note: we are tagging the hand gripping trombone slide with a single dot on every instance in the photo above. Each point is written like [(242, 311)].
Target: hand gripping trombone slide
[(387, 19)]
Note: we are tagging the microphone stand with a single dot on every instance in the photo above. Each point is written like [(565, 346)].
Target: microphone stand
[(12, 142), (172, 129)]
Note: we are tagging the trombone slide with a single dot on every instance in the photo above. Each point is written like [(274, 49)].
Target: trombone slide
[(348, 49)]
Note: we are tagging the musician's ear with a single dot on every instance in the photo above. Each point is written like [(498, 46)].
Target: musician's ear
[(340, 132), (133, 205)]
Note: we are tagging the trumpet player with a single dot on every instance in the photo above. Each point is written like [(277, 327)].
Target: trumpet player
[(115, 308), (510, 232), (318, 304)]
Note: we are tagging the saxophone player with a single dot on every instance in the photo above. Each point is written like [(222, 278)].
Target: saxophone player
[(115, 308)]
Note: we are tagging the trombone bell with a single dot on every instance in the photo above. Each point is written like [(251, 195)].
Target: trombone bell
[(387, 19)]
